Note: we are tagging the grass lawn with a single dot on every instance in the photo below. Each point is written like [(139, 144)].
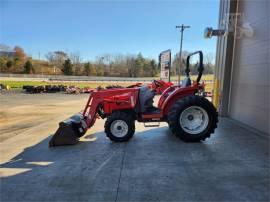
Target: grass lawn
[(20, 84), (205, 77), (91, 84)]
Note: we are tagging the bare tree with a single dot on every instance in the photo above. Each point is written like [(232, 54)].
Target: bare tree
[(209, 58), (56, 58), (76, 60), (75, 57), (176, 63), (209, 63), (60, 57), (50, 57), (131, 65)]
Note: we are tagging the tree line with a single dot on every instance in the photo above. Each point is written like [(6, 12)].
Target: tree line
[(118, 65), (208, 61)]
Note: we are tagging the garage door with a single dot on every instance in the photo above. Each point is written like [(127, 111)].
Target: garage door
[(249, 95)]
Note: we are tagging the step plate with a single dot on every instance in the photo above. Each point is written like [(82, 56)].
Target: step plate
[(157, 124)]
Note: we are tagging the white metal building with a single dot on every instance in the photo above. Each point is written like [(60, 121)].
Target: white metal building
[(242, 62)]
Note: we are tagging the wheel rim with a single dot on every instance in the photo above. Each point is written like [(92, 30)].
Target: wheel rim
[(119, 128), (194, 120)]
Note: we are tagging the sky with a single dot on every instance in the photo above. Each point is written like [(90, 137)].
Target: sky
[(92, 28)]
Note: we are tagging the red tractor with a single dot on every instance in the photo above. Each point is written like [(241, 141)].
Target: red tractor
[(188, 113)]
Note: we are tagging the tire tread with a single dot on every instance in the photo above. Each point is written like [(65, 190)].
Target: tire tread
[(120, 115), (180, 105)]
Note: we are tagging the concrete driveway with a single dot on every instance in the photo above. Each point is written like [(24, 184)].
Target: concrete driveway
[(154, 165)]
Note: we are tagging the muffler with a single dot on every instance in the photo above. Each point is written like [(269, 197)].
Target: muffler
[(69, 131)]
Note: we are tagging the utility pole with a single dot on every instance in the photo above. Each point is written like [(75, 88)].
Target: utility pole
[(39, 63), (182, 28)]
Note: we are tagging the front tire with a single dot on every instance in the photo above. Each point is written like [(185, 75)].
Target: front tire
[(119, 126), (193, 118)]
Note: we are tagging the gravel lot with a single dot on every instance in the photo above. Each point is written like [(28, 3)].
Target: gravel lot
[(20, 111)]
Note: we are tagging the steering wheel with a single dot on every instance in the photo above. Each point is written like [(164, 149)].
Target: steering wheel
[(157, 83)]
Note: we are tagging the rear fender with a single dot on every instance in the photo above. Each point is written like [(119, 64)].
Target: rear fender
[(176, 95), (164, 95)]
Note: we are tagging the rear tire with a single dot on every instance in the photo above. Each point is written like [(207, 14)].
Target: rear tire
[(193, 118), (119, 126)]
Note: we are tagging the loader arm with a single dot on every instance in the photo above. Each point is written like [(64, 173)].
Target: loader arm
[(109, 101), (91, 107)]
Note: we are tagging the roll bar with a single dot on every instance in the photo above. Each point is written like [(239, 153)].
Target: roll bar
[(200, 67)]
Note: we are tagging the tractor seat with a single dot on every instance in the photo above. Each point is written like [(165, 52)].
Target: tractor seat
[(186, 82), (146, 98)]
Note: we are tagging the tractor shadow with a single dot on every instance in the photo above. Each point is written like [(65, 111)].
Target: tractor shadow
[(89, 146), (91, 142), (90, 170)]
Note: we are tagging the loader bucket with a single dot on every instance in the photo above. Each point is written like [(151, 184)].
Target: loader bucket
[(69, 131)]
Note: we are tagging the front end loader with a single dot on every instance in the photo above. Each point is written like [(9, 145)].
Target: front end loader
[(188, 113)]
